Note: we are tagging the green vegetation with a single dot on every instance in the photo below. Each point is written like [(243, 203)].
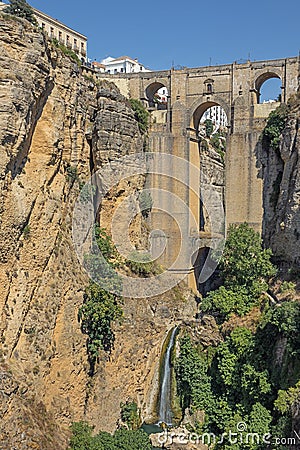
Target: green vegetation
[(26, 231), (240, 382), (274, 127), (244, 263), (245, 269), (103, 260), (21, 8), (72, 174), (101, 307), (287, 287), (252, 376), (87, 193), (102, 299), (209, 127), (130, 415), (123, 439), (218, 141), (141, 114), (66, 51), (97, 314), (141, 263), (145, 203)]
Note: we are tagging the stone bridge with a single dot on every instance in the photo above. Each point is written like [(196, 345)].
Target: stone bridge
[(174, 130)]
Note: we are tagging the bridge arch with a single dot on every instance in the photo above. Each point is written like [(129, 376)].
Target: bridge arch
[(199, 107), (261, 79), (151, 91)]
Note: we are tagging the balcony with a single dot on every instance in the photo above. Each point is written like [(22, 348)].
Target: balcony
[(68, 44), (83, 52), (76, 48)]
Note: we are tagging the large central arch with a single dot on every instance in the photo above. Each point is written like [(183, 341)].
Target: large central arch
[(199, 107), (196, 157)]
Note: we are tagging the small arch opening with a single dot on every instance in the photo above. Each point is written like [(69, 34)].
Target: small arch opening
[(157, 95), (268, 88)]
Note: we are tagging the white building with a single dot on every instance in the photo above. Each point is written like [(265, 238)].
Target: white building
[(162, 94), (216, 114), (123, 64)]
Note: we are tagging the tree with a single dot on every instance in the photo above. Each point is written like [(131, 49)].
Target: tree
[(244, 262), (97, 314), (22, 9), (131, 440), (130, 415), (82, 439)]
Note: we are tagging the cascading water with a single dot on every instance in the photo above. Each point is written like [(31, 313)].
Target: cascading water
[(165, 409)]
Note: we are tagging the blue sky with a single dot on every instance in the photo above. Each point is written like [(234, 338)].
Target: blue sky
[(195, 33), (187, 33)]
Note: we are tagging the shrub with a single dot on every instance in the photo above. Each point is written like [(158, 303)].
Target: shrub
[(223, 302), (21, 8), (244, 262), (97, 314), (141, 114), (209, 127), (245, 269), (130, 415), (26, 231), (72, 174), (141, 264), (66, 51), (274, 127), (82, 439), (145, 203), (101, 307)]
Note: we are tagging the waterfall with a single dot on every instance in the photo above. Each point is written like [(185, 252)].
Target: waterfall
[(165, 409)]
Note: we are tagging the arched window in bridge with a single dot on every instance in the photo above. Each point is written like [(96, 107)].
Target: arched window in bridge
[(208, 86)]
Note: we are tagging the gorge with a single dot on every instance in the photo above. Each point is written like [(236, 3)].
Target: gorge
[(58, 126)]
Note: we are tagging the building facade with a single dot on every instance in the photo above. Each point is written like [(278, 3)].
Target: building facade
[(67, 36), (216, 114), (123, 64), (57, 30)]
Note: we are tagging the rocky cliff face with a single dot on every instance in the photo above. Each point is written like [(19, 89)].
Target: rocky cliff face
[(281, 225), (56, 128)]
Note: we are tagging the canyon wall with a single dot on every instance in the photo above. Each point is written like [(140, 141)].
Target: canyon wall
[(281, 193), (57, 126)]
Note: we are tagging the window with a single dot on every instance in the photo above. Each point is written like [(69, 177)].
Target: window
[(75, 42), (60, 35), (68, 38), (122, 70), (43, 26), (209, 87), (141, 67), (116, 70)]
